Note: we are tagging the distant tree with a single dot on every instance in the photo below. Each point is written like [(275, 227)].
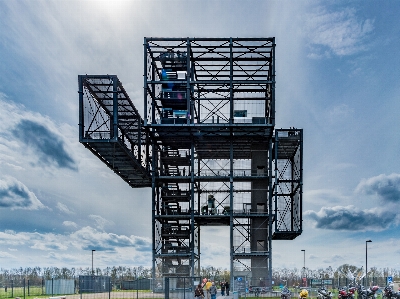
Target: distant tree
[(146, 273), (347, 270), (375, 272), (129, 273), (114, 273), (47, 273)]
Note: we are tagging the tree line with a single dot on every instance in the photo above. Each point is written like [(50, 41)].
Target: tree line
[(120, 273), (36, 274), (343, 271)]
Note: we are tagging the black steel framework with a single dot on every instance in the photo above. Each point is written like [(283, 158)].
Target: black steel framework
[(112, 129), (207, 147)]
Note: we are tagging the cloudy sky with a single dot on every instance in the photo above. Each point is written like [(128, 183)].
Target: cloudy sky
[(338, 78)]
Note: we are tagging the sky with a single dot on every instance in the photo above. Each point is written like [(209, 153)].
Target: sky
[(337, 77)]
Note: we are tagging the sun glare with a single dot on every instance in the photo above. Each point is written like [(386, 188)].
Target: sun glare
[(113, 7)]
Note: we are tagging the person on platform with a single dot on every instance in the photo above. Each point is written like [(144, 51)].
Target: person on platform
[(207, 288), (223, 288), (198, 292), (227, 288), (213, 291)]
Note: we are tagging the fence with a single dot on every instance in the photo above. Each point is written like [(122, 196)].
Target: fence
[(95, 287), (60, 287), (101, 287), (333, 283), (21, 288)]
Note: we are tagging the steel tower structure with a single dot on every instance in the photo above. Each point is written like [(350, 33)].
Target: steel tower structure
[(207, 146)]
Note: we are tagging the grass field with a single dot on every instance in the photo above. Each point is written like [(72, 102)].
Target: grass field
[(20, 291)]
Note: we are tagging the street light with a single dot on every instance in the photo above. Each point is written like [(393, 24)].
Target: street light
[(366, 261), (304, 266), (92, 260)]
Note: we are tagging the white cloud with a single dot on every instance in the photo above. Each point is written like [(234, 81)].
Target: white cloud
[(70, 248), (351, 218), (70, 224), (90, 238), (48, 242), (31, 139), (13, 238), (6, 255), (339, 32), (341, 111), (86, 237), (15, 195), (63, 208), (387, 187), (100, 221)]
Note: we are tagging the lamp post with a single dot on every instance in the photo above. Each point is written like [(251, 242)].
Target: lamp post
[(304, 258), (304, 265), (93, 250), (366, 261)]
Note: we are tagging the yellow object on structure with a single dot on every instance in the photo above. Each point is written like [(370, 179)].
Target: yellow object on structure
[(303, 294)]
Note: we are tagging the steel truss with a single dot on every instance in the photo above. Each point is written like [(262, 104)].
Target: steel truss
[(207, 147), (112, 129)]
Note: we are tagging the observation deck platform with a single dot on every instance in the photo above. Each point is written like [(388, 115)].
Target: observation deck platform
[(112, 129)]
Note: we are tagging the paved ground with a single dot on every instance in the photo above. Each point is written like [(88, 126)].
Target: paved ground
[(133, 295)]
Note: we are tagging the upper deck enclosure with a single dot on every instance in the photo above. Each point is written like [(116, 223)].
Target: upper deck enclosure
[(191, 82)]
